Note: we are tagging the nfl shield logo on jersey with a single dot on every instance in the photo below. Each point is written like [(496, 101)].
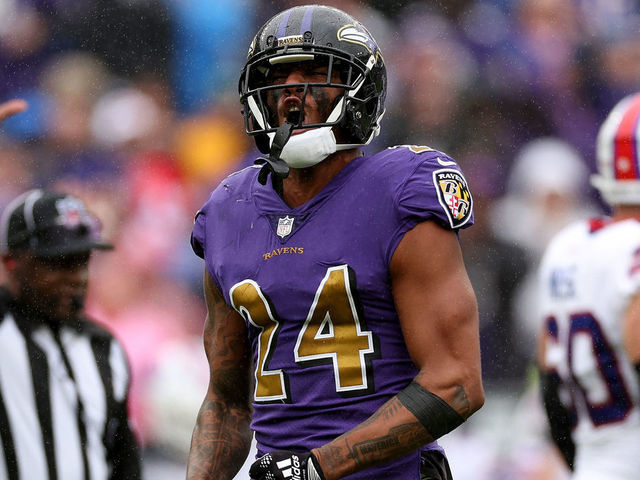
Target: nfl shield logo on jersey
[(284, 226)]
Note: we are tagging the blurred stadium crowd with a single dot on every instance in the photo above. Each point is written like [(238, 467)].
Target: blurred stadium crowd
[(133, 107)]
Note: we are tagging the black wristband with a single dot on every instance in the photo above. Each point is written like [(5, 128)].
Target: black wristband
[(434, 414)]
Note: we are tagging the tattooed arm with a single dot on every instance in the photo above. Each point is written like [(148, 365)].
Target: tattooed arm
[(221, 438), (439, 318)]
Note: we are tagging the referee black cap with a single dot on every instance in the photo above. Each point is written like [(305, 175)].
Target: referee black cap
[(49, 224)]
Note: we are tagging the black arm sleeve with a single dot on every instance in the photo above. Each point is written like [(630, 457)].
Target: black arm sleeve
[(124, 454), (559, 418)]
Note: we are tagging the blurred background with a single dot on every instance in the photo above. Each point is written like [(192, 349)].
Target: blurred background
[(133, 106)]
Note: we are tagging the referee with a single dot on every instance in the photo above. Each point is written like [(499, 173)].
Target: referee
[(64, 380)]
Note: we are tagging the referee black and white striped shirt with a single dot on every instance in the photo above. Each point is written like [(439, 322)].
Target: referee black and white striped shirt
[(63, 395)]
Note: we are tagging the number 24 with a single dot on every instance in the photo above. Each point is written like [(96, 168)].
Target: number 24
[(332, 333)]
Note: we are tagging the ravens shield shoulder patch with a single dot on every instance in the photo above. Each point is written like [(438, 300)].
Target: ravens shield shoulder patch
[(453, 195)]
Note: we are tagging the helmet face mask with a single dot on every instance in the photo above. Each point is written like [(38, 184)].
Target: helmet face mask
[(264, 76), (315, 38), (618, 154)]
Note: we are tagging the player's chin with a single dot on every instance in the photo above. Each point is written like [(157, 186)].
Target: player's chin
[(298, 131)]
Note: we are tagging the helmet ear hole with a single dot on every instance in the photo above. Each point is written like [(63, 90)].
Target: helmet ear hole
[(371, 106), (354, 125), (362, 113)]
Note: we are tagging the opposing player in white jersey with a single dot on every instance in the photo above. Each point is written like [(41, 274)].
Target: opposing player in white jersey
[(589, 348)]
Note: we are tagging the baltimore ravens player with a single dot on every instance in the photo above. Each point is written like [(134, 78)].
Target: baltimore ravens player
[(342, 327), (589, 348)]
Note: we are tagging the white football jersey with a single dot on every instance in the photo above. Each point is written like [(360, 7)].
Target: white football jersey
[(588, 275)]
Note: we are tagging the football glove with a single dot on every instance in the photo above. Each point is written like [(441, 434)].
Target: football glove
[(281, 465)]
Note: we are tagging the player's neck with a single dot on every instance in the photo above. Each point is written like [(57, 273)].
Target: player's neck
[(303, 184)]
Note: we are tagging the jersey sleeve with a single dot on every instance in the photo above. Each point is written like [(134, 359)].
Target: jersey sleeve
[(436, 190), (199, 235)]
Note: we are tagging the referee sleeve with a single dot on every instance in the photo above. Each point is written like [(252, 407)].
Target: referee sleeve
[(124, 453)]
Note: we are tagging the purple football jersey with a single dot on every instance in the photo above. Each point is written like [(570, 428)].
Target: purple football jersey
[(313, 285)]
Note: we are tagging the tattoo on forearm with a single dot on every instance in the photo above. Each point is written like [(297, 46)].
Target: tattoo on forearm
[(400, 440), (460, 402), (220, 442), (388, 412), (390, 409)]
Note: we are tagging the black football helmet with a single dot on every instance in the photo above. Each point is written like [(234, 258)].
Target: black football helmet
[(327, 36)]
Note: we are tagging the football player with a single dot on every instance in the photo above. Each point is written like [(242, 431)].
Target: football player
[(342, 328), (589, 348)]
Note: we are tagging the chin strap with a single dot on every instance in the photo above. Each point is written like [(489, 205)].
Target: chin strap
[(273, 163)]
